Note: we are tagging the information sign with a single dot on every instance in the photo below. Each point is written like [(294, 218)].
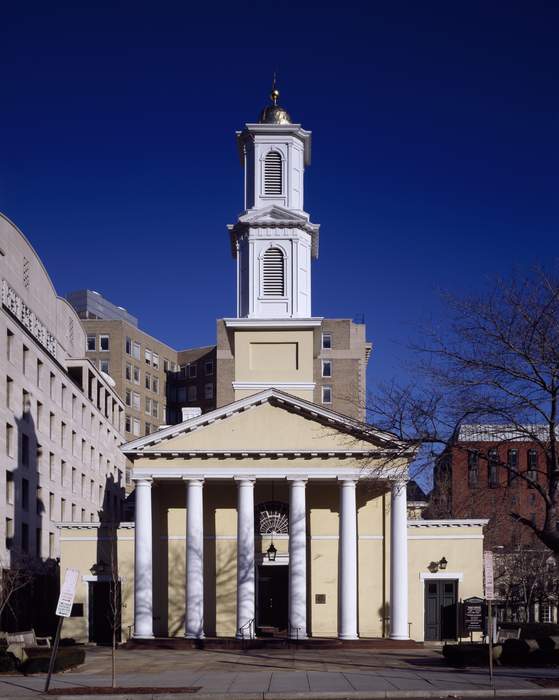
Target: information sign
[(67, 593), (473, 614), (488, 575)]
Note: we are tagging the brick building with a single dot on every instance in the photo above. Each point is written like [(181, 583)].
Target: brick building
[(486, 473)]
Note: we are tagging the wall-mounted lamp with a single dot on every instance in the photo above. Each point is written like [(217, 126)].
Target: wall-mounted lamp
[(99, 569), (434, 566)]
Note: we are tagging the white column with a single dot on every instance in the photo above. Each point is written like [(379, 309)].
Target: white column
[(143, 566), (399, 561), (297, 559), (348, 560), (245, 552), (194, 618)]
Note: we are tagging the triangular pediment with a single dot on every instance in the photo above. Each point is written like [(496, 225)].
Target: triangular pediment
[(276, 214), (271, 422)]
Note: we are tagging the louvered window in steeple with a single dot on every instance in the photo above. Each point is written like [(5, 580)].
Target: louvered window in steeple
[(273, 173), (273, 273)]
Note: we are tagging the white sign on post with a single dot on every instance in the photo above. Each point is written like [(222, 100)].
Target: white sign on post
[(67, 593), (488, 575)]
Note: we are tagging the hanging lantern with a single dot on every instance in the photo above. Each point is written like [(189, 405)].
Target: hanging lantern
[(271, 552)]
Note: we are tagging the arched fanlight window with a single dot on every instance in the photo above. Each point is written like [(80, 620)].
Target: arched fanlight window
[(272, 518), (273, 173), (273, 273)]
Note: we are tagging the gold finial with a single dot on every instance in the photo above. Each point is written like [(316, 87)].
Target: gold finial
[(274, 95)]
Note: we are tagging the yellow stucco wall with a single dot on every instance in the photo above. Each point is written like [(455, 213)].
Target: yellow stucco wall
[(276, 355), (265, 427), (81, 547), (459, 544)]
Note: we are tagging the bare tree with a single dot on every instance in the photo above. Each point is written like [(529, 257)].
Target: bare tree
[(525, 576), (496, 362), (14, 576)]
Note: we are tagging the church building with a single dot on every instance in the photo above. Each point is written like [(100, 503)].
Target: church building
[(273, 514)]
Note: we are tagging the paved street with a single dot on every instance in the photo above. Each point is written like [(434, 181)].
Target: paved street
[(261, 671)]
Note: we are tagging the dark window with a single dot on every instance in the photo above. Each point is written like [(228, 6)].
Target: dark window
[(24, 537), (493, 468), (512, 461), (532, 473), (473, 468)]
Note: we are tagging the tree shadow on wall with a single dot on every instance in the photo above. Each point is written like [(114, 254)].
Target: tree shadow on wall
[(33, 574)]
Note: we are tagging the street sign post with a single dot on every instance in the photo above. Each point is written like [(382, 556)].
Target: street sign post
[(489, 583), (63, 609)]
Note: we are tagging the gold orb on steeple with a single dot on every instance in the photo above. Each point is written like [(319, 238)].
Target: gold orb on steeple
[(274, 114)]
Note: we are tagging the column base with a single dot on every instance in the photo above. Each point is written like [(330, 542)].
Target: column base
[(348, 636), (399, 636), (143, 636)]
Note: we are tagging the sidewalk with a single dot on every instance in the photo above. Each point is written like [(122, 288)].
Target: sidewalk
[(342, 674)]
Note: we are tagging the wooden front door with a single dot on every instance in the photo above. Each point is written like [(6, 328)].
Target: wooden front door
[(272, 597), (441, 597)]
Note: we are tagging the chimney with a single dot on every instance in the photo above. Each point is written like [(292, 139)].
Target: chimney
[(191, 412)]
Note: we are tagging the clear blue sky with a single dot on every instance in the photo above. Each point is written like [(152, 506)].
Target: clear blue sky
[(435, 149)]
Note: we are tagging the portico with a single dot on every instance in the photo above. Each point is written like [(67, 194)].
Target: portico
[(305, 477)]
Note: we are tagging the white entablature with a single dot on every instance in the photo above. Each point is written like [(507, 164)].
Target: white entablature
[(274, 239)]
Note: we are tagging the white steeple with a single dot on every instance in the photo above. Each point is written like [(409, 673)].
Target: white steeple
[(274, 240)]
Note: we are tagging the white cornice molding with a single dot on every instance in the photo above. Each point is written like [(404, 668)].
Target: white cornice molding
[(246, 469), (94, 526), (425, 575), (297, 130), (274, 217), (248, 323), (458, 522), (277, 453)]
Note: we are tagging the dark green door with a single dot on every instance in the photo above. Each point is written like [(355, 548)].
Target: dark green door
[(441, 598)]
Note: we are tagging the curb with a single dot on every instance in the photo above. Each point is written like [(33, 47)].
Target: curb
[(325, 695)]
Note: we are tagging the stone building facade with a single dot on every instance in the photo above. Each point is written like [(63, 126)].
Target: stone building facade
[(62, 422)]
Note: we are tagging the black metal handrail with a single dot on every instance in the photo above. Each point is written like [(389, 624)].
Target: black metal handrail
[(290, 630), (249, 628)]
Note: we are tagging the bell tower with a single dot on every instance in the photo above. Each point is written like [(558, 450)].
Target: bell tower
[(274, 240), (270, 343)]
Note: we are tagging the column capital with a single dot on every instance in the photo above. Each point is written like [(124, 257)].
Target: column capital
[(193, 479), (142, 480), (242, 479), (348, 480), (297, 478), (399, 483)]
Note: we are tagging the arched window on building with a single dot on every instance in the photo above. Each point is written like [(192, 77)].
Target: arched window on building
[(273, 173), (273, 273)]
